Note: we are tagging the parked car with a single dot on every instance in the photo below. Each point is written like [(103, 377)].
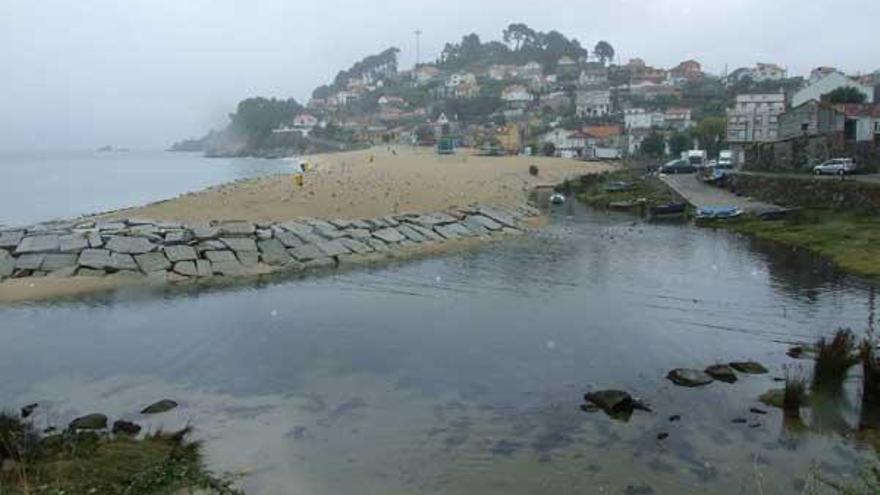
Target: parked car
[(678, 167), (835, 166)]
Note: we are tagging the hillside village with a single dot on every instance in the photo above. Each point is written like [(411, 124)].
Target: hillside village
[(543, 93)]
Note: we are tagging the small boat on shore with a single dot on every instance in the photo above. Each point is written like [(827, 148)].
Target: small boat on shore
[(668, 209), (625, 205), (618, 186), (718, 212), (557, 199)]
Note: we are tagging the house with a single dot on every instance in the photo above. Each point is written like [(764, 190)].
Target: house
[(593, 103), (820, 72), (516, 96), (638, 118), (767, 72), (641, 73), (558, 100), (754, 118), (305, 121), (631, 142), (531, 70), (500, 72), (396, 101), (677, 118), (605, 137), (651, 91), (509, 139), (594, 75), (567, 68), (461, 78), (566, 146), (344, 98), (425, 73), (811, 118), (686, 72), (821, 87), (862, 121)]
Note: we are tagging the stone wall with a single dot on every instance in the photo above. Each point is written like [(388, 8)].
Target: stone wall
[(807, 191), (799, 154), (166, 251)]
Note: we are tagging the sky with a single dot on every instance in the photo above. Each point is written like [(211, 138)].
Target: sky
[(144, 73)]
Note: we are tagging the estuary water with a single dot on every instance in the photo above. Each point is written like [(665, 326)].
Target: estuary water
[(46, 185), (464, 373)]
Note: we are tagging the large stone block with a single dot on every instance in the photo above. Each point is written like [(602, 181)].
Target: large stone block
[(237, 228), (152, 262), (239, 243), (288, 239), (7, 264), (29, 261), (130, 245), (411, 233), (248, 258), (273, 252), (187, 268), (94, 258), (120, 261), (333, 248), (11, 239), (72, 243), (389, 235), (53, 262), (221, 256), (306, 253), (38, 244), (180, 253)]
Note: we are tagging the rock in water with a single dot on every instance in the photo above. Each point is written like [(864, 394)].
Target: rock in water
[(160, 407), (125, 427), (615, 403), (773, 398), (721, 372), (689, 378), (93, 421), (749, 367)]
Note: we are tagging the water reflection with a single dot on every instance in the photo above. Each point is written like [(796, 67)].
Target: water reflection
[(464, 374)]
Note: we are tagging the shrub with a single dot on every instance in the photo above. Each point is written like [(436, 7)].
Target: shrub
[(834, 359)]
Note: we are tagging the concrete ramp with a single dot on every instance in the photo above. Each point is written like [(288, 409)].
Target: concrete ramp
[(702, 195)]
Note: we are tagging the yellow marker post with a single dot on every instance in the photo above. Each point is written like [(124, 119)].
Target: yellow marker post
[(299, 179)]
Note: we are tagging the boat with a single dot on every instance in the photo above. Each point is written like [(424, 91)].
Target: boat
[(618, 186), (624, 205), (668, 209), (557, 198), (718, 212)]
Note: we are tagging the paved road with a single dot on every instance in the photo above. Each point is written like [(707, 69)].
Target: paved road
[(869, 178), (703, 195)]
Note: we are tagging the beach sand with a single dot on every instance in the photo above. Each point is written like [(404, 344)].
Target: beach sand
[(359, 184), (370, 183)]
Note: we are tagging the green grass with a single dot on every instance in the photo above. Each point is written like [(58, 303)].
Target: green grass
[(650, 188), (850, 239), (89, 462)]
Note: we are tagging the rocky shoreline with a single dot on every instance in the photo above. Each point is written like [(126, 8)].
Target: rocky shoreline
[(140, 250)]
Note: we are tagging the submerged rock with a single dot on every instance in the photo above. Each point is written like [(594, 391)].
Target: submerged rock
[(159, 407), (93, 421), (685, 377), (722, 372), (749, 367), (615, 403)]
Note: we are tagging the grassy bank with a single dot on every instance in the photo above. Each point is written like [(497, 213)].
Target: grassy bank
[(593, 190), (68, 462), (850, 239)]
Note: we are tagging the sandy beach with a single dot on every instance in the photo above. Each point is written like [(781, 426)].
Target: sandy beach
[(350, 186), (370, 183)]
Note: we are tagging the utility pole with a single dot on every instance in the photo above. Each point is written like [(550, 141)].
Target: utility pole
[(418, 46)]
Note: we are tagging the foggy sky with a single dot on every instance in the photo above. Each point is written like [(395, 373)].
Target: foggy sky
[(80, 74)]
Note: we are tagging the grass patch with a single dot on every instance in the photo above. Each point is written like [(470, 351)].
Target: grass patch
[(95, 462), (834, 359), (648, 187), (850, 239)]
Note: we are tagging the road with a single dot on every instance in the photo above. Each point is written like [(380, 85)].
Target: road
[(702, 195)]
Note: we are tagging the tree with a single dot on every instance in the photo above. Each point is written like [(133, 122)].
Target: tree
[(654, 145), (679, 142), (710, 133), (520, 35), (258, 116), (604, 51), (548, 149), (846, 94)]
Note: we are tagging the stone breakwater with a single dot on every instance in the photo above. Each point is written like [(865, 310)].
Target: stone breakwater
[(168, 252)]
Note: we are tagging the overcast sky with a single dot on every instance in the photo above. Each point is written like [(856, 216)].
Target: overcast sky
[(80, 74)]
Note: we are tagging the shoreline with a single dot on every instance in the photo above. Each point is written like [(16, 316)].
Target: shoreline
[(172, 243)]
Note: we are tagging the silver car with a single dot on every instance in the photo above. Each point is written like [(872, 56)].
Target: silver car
[(835, 166)]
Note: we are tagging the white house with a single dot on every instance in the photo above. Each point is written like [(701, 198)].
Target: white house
[(425, 73), (461, 79), (767, 72), (305, 120), (754, 118), (516, 95), (827, 84), (596, 103), (530, 70), (637, 118)]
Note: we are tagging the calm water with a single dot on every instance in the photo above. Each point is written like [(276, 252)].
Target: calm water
[(46, 185), (464, 374)]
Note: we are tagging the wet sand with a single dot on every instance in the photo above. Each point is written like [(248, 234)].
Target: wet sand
[(370, 183)]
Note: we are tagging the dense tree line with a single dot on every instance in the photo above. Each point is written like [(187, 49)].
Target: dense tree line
[(258, 116), (521, 44), (378, 65)]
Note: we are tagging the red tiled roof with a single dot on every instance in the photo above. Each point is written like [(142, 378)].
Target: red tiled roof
[(859, 109), (602, 131)]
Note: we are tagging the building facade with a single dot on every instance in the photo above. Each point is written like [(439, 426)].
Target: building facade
[(754, 118)]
